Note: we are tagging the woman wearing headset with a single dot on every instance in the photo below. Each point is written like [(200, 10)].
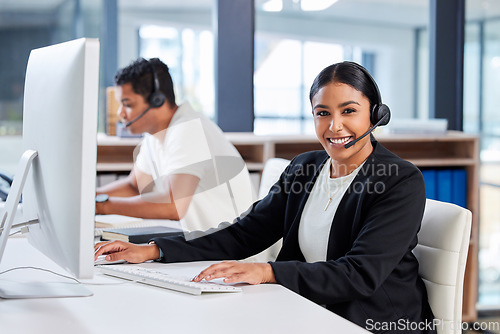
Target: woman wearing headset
[(348, 215)]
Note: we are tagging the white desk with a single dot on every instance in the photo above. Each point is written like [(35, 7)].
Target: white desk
[(136, 308)]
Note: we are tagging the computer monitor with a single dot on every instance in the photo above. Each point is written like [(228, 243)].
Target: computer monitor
[(60, 143)]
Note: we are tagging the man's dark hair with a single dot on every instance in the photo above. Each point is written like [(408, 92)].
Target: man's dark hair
[(140, 74)]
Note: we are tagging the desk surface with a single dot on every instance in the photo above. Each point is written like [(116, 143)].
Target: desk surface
[(123, 308)]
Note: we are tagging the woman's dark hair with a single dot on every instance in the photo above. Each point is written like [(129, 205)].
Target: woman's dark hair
[(140, 74), (348, 73)]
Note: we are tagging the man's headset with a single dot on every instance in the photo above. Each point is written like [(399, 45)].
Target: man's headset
[(156, 99), (380, 113)]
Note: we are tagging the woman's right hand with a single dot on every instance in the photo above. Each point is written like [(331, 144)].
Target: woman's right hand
[(120, 250)]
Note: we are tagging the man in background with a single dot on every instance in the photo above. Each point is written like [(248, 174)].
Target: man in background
[(185, 168)]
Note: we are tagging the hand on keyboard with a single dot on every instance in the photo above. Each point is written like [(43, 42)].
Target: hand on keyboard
[(132, 253), (235, 272), (164, 280)]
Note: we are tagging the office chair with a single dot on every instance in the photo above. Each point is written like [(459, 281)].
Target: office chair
[(443, 243), (270, 174)]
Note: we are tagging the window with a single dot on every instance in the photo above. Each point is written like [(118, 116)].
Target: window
[(481, 100), (189, 55), (180, 34), (27, 25)]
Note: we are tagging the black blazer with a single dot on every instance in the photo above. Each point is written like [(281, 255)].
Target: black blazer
[(370, 276)]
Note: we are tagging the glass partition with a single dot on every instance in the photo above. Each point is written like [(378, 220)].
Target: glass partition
[(294, 41), (180, 34), (26, 25), (483, 118), (189, 54)]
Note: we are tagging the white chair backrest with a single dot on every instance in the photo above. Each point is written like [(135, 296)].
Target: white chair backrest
[(443, 243), (271, 173)]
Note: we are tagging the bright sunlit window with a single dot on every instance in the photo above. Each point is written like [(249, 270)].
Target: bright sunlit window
[(189, 56), (284, 71)]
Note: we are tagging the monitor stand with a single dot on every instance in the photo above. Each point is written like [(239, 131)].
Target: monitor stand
[(18, 290), (15, 289)]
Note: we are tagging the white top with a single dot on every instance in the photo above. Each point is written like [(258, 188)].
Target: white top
[(192, 144), (315, 222)]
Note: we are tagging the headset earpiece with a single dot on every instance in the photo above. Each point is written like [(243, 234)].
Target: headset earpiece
[(380, 114), (157, 98)]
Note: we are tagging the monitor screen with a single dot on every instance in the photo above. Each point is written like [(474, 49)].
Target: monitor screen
[(60, 124)]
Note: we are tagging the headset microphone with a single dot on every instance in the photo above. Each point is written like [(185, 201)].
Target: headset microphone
[(157, 98), (368, 132), (137, 118)]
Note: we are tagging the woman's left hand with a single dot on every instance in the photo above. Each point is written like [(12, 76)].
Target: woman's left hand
[(234, 272)]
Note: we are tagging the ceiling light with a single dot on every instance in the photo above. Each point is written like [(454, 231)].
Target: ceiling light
[(315, 5), (273, 6)]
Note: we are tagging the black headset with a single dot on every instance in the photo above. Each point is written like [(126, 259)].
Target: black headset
[(157, 98), (380, 113)]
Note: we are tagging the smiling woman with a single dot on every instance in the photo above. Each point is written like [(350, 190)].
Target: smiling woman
[(347, 106), (342, 114), (353, 255)]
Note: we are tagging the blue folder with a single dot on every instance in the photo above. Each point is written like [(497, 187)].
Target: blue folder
[(459, 187), (444, 185), (430, 183)]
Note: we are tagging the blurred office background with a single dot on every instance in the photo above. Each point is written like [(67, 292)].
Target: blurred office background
[(294, 40)]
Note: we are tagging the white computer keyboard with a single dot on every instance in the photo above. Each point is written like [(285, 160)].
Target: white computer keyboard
[(98, 232), (164, 280)]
